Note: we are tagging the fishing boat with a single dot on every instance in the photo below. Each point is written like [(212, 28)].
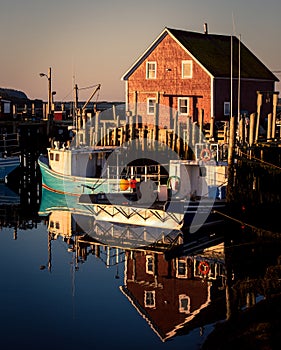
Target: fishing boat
[(75, 170), (194, 194), (9, 159), (75, 166), (65, 216), (7, 165)]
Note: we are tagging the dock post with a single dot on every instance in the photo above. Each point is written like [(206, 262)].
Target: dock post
[(269, 127), (230, 159), (136, 107), (252, 128), (194, 134), (179, 138), (156, 117), (97, 127), (175, 131), (241, 130), (259, 103), (187, 138), (275, 101), (212, 124), (201, 122)]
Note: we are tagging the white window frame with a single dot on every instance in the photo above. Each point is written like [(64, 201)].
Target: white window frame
[(149, 111), (151, 73), (151, 294), (226, 108), (181, 309), (187, 105), (183, 63), (178, 274), (149, 266)]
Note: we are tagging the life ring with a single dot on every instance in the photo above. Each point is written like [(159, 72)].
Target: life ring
[(204, 268), (205, 154)]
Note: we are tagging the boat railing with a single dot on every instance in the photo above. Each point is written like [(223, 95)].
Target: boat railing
[(9, 142), (143, 172), (211, 151)]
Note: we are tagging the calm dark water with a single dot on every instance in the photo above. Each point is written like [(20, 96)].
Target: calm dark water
[(67, 284), (50, 299)]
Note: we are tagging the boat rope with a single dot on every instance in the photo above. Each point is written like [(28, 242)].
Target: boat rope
[(256, 229), (262, 161)]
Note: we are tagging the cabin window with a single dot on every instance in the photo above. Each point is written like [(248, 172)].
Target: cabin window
[(151, 102), (149, 264), (57, 157), (51, 224), (184, 303), (186, 69), (57, 225), (183, 105), (226, 108), (149, 298), (51, 156), (150, 70), (181, 268)]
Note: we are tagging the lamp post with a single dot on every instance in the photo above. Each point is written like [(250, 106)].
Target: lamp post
[(49, 77)]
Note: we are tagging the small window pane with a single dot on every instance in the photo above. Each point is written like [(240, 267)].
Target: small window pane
[(183, 105), (187, 69), (149, 299), (227, 108), (182, 268), (151, 105), (151, 70), (149, 264)]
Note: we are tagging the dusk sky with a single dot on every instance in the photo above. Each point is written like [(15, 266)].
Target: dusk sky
[(90, 41)]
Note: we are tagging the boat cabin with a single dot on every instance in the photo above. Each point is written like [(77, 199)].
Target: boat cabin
[(78, 162)]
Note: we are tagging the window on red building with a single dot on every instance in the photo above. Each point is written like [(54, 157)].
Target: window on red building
[(186, 69), (150, 70), (183, 105), (151, 102)]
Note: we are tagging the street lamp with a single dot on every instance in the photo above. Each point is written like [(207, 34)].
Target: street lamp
[(49, 77)]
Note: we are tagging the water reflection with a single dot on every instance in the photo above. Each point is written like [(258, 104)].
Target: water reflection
[(177, 284), (155, 284)]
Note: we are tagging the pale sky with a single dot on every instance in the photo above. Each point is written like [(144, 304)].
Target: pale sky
[(96, 41)]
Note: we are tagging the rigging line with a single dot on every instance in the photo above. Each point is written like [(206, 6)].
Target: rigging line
[(88, 87), (263, 161), (70, 93), (254, 228)]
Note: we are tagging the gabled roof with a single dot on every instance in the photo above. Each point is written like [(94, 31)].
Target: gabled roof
[(213, 52)]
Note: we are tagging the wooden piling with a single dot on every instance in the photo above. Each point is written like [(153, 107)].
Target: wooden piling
[(175, 131), (259, 103), (252, 129), (274, 101), (97, 138), (194, 133), (156, 117), (230, 159), (201, 122), (136, 107), (269, 127), (241, 130), (212, 124), (187, 138)]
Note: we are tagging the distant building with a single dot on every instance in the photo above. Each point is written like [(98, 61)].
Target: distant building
[(191, 72)]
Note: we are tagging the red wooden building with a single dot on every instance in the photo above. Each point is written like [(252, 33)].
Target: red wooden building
[(193, 72)]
